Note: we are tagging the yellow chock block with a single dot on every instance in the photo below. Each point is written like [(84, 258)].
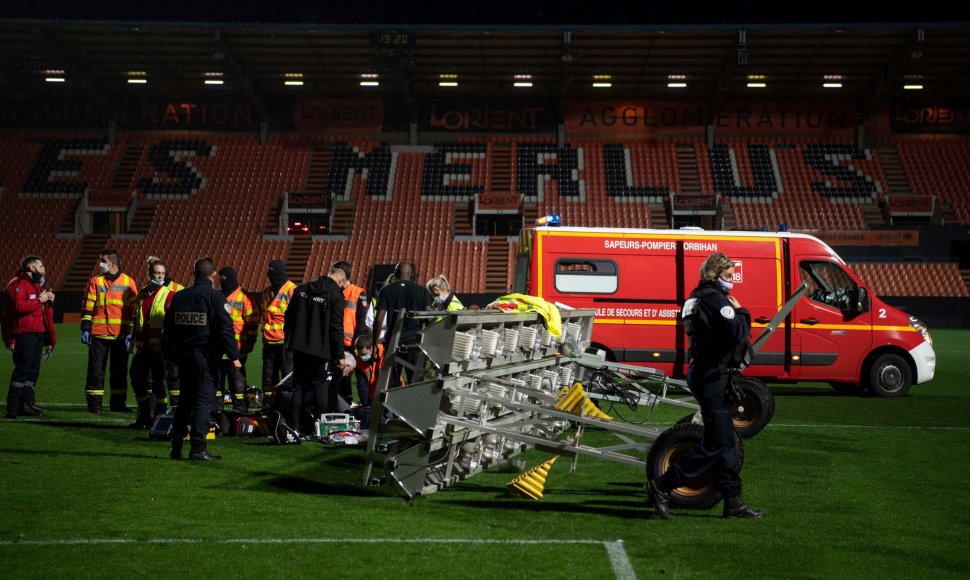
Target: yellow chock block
[(576, 401), (531, 483), (572, 399), (591, 410)]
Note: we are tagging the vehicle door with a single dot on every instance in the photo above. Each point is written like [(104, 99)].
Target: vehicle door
[(832, 323)]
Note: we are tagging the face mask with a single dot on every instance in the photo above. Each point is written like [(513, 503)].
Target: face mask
[(365, 357), (42, 281), (725, 285), (440, 299), (104, 266), (37, 278), (158, 282)]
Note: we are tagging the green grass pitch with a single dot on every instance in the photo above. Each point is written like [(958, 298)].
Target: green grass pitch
[(852, 487)]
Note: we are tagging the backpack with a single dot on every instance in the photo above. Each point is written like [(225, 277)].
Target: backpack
[(280, 432)]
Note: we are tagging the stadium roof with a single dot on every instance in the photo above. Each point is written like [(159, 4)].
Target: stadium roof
[(250, 53)]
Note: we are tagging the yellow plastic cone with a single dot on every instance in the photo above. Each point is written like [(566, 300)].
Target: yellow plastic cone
[(531, 483)]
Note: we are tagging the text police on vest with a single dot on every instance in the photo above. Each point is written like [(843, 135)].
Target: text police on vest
[(190, 318)]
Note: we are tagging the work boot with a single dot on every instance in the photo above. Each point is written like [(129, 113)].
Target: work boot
[(734, 507), (120, 408), (144, 418), (14, 397), (94, 403), (660, 499), (203, 455), (28, 411), (141, 422), (29, 403)]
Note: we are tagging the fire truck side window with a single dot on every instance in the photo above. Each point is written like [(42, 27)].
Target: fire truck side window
[(586, 276), (828, 284)]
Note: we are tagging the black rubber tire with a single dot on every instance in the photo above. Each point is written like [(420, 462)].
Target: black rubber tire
[(890, 376), (672, 444), (688, 419), (756, 408), (753, 413)]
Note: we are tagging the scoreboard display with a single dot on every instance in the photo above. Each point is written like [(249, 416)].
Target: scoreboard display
[(392, 42)]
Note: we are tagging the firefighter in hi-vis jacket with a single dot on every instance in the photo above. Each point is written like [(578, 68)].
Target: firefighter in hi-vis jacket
[(245, 323), (277, 361), (106, 316), (148, 370)]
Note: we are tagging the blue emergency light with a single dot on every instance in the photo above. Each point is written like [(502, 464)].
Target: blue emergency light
[(548, 220)]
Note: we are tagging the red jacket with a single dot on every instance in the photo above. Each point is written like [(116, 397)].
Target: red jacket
[(24, 311)]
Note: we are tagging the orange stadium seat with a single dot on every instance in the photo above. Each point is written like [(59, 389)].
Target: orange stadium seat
[(226, 185)]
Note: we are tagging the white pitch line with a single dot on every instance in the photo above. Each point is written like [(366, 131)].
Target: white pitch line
[(105, 541), (622, 568), (841, 426), (837, 426)]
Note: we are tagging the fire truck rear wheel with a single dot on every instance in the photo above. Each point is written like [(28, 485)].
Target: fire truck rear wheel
[(673, 444), (890, 376)]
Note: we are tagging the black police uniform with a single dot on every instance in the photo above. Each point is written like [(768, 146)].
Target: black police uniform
[(718, 339), (196, 332)]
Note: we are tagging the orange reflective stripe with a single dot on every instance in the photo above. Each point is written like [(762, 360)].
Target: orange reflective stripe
[(109, 305), (274, 311), (351, 297), (244, 318)]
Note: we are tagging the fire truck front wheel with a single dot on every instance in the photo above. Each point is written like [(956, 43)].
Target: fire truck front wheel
[(890, 376), (669, 447)]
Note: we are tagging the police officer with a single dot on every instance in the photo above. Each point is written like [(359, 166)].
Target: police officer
[(718, 329), (197, 331)]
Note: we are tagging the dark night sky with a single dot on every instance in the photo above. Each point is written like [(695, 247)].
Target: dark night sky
[(489, 12)]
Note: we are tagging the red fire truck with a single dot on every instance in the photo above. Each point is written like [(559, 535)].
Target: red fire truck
[(637, 281)]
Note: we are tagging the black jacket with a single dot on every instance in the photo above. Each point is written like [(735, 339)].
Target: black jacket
[(198, 318), (404, 294), (718, 332), (314, 321)]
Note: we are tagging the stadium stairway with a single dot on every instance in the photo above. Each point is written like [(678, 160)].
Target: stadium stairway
[(690, 179), (296, 260), (497, 264), (84, 262), (892, 168)]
